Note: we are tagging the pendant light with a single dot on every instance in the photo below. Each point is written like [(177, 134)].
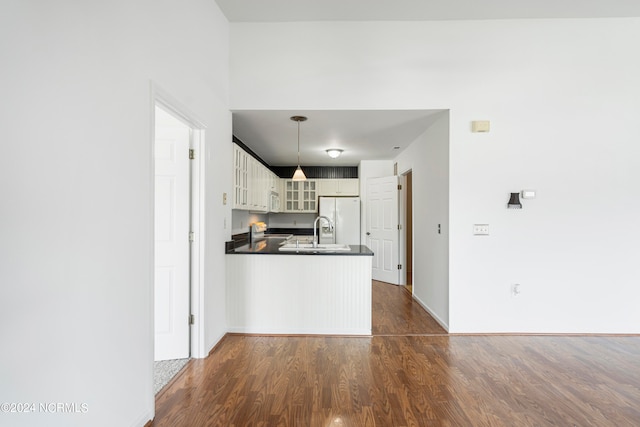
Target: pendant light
[(299, 174)]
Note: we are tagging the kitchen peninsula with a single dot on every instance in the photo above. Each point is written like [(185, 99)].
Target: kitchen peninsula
[(271, 291)]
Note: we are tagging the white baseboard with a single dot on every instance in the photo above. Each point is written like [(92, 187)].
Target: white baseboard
[(432, 313), (295, 331), (145, 418), (211, 347)]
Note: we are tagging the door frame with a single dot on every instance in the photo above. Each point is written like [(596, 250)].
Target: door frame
[(402, 217), (163, 99)]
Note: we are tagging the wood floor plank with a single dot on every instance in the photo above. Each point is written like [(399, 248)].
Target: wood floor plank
[(416, 379), (395, 312)]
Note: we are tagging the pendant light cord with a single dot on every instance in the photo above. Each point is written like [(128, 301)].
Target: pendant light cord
[(299, 175), (298, 143)]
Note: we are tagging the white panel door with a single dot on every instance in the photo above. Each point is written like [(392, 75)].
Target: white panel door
[(171, 287), (382, 227)]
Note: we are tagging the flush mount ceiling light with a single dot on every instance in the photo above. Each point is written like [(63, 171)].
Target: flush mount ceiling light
[(298, 175), (334, 153)]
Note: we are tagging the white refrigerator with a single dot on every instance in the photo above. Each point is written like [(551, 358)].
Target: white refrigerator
[(345, 214)]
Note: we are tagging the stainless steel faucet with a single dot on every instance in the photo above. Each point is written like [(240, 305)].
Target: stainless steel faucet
[(315, 224)]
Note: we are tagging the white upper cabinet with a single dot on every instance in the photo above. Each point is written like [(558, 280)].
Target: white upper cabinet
[(300, 196), (253, 182), (240, 178), (339, 187), (274, 193), (256, 188), (274, 183)]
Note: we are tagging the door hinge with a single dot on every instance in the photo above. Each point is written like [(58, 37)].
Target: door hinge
[(191, 236), (399, 186), (399, 266), (192, 154), (399, 226), (192, 319)]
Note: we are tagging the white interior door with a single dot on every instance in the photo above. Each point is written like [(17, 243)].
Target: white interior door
[(382, 227), (172, 201)]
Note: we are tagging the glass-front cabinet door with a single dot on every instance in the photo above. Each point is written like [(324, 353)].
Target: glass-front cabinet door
[(240, 178), (300, 196), (292, 196), (309, 196)]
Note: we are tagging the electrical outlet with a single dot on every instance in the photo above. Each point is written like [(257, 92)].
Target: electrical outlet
[(481, 229)]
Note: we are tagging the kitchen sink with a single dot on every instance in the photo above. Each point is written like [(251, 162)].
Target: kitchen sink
[(308, 247), (300, 239)]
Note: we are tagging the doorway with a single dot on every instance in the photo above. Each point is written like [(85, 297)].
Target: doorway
[(183, 142)]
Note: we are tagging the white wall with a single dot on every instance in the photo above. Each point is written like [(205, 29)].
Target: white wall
[(76, 216), (428, 159), (563, 99)]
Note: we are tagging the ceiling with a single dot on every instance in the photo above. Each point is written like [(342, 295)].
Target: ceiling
[(372, 135), (421, 10), (362, 134)]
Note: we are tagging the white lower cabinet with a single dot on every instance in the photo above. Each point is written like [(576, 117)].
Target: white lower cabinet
[(298, 294)]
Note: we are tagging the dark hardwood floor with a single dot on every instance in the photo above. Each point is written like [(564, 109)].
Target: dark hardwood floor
[(394, 312), (412, 376)]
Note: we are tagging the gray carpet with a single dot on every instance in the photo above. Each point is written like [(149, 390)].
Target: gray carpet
[(164, 371)]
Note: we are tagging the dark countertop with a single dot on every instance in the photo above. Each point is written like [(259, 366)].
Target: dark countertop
[(271, 247), (289, 231)]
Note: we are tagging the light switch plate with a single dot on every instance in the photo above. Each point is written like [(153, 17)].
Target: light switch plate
[(528, 194), (480, 229), (480, 126)]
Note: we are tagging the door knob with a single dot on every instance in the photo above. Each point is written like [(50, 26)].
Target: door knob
[(368, 234)]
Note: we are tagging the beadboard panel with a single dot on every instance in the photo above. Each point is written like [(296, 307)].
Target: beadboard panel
[(318, 172), (305, 294)]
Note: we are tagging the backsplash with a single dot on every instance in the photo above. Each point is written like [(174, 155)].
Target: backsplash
[(318, 172), (240, 220), (296, 231), (291, 220)]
